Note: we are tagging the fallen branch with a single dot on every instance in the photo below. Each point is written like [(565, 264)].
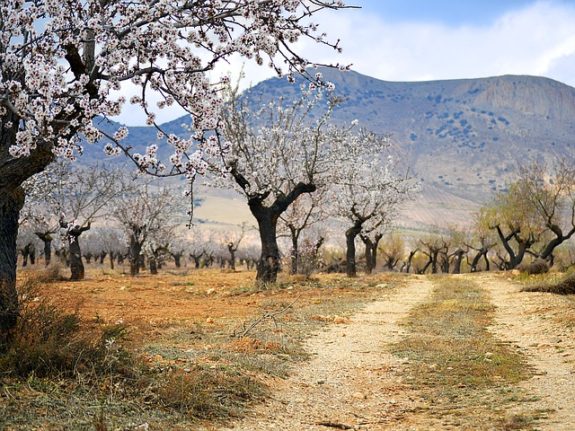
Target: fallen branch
[(335, 425), (267, 315)]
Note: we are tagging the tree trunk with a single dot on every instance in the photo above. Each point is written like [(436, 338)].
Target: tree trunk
[(269, 263), (481, 253), (153, 265), (487, 265), (112, 255), (368, 253), (350, 235), (102, 257), (232, 251), (294, 250), (177, 259), (76, 265), (547, 253), (374, 246), (11, 202), (32, 255), (135, 250), (409, 259), (25, 254), (46, 238), (475, 261), (73, 237), (458, 260), (523, 245)]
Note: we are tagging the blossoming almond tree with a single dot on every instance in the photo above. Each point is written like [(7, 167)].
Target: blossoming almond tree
[(306, 211), (145, 214), (64, 63), (368, 191), (77, 196), (277, 154)]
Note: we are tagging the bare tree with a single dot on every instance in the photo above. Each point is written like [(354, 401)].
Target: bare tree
[(232, 240), (512, 217), (393, 249), (550, 192), (434, 247)]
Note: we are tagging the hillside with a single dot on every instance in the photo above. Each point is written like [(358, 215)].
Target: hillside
[(463, 138)]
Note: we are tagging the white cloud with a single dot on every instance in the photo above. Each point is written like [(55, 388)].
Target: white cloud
[(536, 40)]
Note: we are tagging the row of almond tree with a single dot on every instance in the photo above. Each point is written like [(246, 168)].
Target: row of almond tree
[(529, 226), (295, 168), (533, 219), (66, 65)]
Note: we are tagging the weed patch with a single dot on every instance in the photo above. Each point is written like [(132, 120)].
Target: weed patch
[(201, 393)]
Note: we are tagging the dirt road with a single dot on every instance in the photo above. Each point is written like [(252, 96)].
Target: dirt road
[(538, 323), (354, 382)]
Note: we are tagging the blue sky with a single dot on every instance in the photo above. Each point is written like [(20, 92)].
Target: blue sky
[(417, 40), (451, 12)]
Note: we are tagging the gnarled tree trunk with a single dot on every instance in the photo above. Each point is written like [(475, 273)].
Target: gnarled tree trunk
[(294, 233), (76, 265), (269, 264), (11, 202), (135, 251), (350, 235), (46, 238), (177, 259), (458, 254)]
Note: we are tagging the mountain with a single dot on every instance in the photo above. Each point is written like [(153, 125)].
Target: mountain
[(464, 139)]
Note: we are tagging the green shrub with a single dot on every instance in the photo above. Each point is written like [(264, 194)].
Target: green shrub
[(538, 266)]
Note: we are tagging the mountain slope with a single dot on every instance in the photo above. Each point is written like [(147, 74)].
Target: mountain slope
[(463, 138)]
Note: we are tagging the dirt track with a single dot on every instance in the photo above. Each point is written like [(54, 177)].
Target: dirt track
[(353, 382), (532, 321)]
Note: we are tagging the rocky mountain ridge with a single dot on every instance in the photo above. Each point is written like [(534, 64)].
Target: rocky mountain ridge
[(463, 139)]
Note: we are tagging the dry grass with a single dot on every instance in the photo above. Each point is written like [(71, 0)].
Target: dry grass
[(563, 286), (538, 266), (185, 368), (206, 393), (50, 342), (465, 374)]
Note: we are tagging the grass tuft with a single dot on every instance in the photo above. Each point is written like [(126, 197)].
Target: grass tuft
[(49, 341), (206, 393)]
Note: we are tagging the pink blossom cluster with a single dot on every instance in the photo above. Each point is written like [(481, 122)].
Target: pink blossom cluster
[(64, 63)]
